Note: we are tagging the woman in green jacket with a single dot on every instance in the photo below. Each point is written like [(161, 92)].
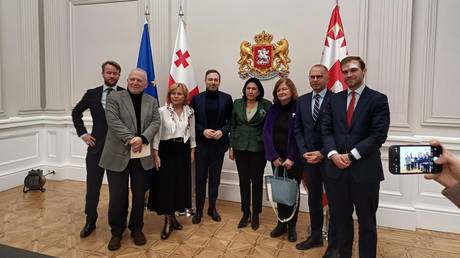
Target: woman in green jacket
[(247, 148)]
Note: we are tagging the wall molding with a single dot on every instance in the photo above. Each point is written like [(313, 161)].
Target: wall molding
[(30, 56), (394, 57), (429, 60), (57, 59)]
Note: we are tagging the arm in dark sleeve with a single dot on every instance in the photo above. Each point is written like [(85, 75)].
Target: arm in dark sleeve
[(298, 131), (270, 152), (225, 129), (292, 151), (327, 129), (77, 114), (199, 127), (232, 128), (380, 123)]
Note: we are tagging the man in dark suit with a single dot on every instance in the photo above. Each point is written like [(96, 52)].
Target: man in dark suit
[(95, 100), (213, 111), (308, 137), (355, 124), (132, 120)]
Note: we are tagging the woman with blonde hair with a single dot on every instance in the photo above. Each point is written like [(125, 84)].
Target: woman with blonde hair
[(173, 153)]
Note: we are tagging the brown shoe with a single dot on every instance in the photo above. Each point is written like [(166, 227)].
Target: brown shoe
[(138, 237)]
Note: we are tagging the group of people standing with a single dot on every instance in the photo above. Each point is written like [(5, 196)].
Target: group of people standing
[(421, 162), (332, 139)]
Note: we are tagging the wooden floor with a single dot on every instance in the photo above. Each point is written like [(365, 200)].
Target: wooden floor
[(50, 223)]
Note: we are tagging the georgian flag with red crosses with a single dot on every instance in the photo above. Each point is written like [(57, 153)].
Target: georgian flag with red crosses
[(181, 66), (335, 49)]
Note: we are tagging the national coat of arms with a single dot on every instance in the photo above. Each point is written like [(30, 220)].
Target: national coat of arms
[(264, 60)]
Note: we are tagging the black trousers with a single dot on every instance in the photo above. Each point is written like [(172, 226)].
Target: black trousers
[(316, 177), (209, 160), (285, 211), (250, 167), (119, 195), (94, 176), (345, 195)]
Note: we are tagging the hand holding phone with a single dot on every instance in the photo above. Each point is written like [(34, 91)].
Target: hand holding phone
[(414, 159)]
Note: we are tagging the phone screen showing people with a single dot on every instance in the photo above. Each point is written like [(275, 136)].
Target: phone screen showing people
[(414, 159)]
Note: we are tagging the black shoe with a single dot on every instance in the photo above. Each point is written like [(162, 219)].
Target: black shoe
[(87, 230), (331, 253), (214, 215), (244, 221), (175, 223), (167, 228), (279, 230), (197, 217), (114, 243), (138, 237), (292, 234), (309, 243), (255, 221)]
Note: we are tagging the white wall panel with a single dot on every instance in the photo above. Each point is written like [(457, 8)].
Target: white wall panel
[(100, 32), (17, 147)]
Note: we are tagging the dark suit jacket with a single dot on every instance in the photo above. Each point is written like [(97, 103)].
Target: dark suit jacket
[(247, 135), (198, 104), (122, 127), (92, 101), (307, 132), (367, 133)]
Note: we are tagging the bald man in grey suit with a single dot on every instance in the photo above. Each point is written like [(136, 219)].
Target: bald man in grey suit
[(133, 120)]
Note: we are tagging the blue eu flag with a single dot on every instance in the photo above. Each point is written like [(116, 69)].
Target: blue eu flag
[(145, 62)]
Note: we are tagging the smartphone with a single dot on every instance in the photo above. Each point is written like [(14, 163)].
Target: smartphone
[(414, 159)]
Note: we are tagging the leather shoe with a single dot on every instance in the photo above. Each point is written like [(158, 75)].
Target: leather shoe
[(138, 237), (244, 221), (255, 221), (197, 217), (292, 234), (87, 230), (176, 224), (309, 243), (279, 230), (167, 228), (214, 215), (331, 253), (114, 243)]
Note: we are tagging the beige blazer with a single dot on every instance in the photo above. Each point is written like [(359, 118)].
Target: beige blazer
[(122, 127)]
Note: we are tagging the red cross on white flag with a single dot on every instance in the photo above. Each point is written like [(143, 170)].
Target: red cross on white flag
[(181, 65), (335, 49)]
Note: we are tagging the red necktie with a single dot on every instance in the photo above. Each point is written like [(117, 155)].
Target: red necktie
[(351, 108)]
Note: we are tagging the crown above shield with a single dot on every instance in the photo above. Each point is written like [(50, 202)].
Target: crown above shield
[(264, 60)]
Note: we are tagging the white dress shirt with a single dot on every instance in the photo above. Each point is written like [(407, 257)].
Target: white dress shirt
[(174, 126)]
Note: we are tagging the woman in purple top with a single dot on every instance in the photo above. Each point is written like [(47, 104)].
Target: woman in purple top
[(281, 149)]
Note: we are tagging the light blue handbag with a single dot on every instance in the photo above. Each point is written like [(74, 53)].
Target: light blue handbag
[(282, 189)]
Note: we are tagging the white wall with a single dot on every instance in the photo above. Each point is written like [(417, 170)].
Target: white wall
[(51, 51)]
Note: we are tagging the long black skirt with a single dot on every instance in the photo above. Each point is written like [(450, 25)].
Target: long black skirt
[(170, 189)]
